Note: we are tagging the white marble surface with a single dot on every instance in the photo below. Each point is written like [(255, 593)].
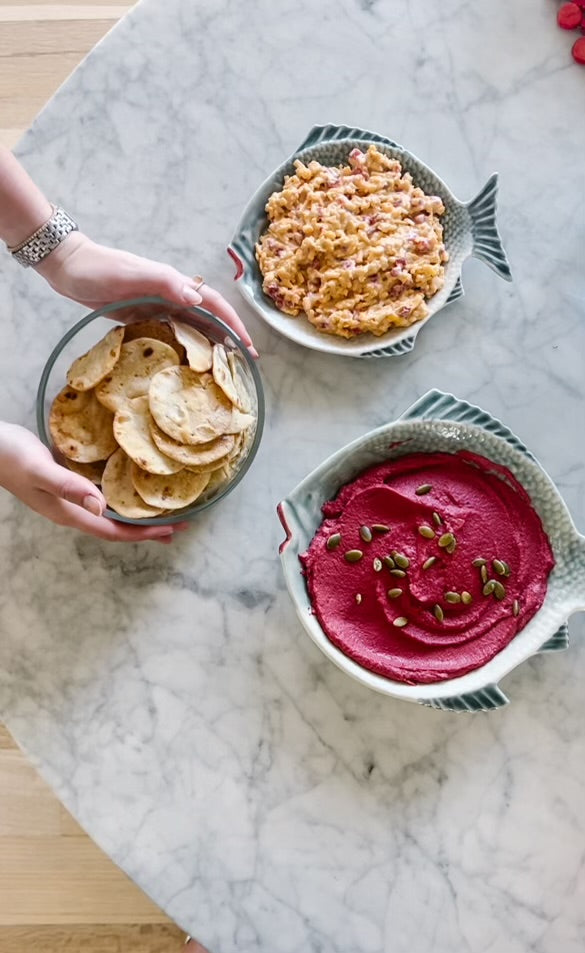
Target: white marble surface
[(268, 803)]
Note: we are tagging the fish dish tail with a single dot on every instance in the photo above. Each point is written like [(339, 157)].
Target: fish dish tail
[(487, 244)]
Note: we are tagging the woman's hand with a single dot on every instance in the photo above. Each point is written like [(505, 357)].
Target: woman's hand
[(96, 276), (28, 470)]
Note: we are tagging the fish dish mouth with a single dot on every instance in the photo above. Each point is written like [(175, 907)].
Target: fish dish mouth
[(428, 565)]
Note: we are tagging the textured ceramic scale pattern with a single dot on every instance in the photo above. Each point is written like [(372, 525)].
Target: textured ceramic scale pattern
[(441, 423), (469, 229), (269, 803)]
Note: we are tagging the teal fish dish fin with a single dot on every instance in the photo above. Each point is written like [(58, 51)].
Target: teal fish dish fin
[(559, 641), (330, 133), (486, 699), (457, 292), (487, 244), (394, 350), (438, 405)]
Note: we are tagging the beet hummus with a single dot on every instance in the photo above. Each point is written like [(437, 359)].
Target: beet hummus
[(428, 565)]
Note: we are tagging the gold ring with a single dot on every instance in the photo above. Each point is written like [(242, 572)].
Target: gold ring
[(199, 281)]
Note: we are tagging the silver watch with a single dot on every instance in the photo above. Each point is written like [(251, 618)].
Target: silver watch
[(45, 239)]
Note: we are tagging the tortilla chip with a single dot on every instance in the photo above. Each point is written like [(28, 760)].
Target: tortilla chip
[(132, 431), (197, 347), (119, 491), (188, 406), (139, 361), (242, 383), (91, 471), (171, 492), (89, 369), (192, 454), (157, 330), (81, 427)]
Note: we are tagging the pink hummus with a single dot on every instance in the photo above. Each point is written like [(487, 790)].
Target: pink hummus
[(491, 518)]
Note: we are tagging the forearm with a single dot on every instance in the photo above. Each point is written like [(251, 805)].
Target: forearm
[(23, 207)]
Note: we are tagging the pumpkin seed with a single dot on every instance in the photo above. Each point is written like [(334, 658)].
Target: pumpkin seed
[(484, 574), (402, 561), (380, 528), (358, 598), (388, 562), (398, 572), (427, 532), (499, 591), (333, 541), (466, 598), (438, 613), (437, 519), (353, 555), (489, 587), (479, 562), (452, 597), (499, 567), (366, 534), (429, 562), (446, 539), (394, 593), (400, 622), (516, 607), (423, 489), (377, 564)]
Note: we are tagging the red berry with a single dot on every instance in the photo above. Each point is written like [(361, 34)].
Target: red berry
[(580, 3), (579, 50), (569, 16)]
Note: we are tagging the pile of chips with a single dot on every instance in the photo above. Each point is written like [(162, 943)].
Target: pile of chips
[(571, 16), (157, 415)]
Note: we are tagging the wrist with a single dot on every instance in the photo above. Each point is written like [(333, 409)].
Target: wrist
[(31, 218), (56, 261)]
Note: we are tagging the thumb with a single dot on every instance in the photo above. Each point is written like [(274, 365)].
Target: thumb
[(63, 483)]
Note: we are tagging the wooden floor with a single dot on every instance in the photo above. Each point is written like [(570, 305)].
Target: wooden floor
[(58, 891)]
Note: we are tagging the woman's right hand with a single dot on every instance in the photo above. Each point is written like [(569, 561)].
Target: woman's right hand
[(28, 471)]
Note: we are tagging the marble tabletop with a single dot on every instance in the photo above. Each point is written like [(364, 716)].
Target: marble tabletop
[(169, 695)]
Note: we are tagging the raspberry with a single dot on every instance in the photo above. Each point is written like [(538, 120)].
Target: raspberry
[(579, 50), (569, 16)]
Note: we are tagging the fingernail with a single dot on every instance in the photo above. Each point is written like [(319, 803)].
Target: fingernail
[(181, 527), (190, 295), (92, 505), (253, 351)]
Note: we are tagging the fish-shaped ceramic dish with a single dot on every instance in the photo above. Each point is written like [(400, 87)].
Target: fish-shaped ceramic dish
[(442, 422), (469, 229)]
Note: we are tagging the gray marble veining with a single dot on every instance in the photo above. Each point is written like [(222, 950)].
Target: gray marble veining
[(267, 802)]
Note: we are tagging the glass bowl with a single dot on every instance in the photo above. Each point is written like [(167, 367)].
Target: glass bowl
[(94, 326)]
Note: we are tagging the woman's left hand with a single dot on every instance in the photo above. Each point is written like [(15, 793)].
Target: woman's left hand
[(95, 276)]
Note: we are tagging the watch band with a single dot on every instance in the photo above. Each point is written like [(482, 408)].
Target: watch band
[(45, 239)]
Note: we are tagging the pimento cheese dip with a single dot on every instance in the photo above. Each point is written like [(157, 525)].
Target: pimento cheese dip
[(357, 248), (427, 566)]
